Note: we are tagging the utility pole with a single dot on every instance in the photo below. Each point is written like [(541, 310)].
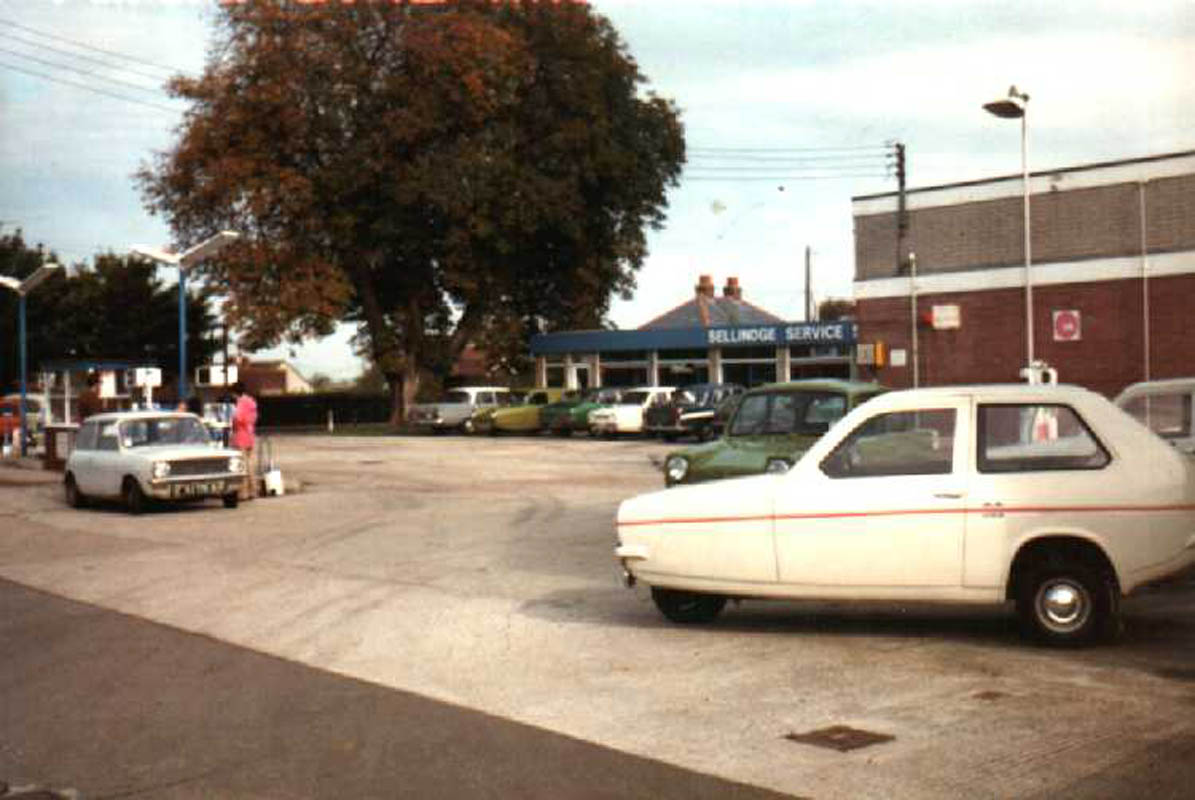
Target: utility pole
[(902, 211), (808, 284)]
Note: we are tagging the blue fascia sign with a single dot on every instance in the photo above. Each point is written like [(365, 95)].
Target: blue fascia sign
[(662, 339), (797, 333)]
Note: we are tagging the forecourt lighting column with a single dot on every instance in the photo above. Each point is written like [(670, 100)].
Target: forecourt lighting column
[(1016, 106), (184, 261), (23, 288)]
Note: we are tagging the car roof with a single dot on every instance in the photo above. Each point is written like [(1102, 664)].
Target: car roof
[(121, 416), (998, 392), (1162, 386), (820, 384)]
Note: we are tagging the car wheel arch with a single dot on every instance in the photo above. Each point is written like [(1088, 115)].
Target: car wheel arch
[(1066, 547)]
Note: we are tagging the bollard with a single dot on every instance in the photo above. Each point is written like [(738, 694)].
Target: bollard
[(331, 422)]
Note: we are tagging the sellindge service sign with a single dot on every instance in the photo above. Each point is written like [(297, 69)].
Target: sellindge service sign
[(806, 333)]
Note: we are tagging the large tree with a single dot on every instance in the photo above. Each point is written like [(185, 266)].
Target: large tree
[(439, 174), (116, 310)]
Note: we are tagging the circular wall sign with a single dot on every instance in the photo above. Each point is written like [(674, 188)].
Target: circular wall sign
[(1067, 326)]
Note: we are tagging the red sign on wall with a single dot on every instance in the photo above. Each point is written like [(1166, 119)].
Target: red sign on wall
[(1068, 326)]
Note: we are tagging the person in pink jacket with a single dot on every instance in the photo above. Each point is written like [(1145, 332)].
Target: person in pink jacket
[(244, 435)]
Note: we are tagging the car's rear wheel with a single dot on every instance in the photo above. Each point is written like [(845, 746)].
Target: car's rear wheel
[(134, 499), (74, 498), (1067, 603), (687, 608), (231, 500)]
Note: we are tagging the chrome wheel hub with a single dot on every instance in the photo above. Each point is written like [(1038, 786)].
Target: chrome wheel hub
[(1063, 605)]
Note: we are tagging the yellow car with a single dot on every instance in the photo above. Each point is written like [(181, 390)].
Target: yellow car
[(523, 418)]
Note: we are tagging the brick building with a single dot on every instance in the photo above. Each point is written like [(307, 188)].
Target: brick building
[(1112, 275)]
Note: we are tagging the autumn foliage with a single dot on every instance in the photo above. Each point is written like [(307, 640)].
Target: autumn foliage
[(439, 174)]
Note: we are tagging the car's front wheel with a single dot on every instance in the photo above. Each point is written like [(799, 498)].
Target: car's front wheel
[(1067, 603), (687, 608), (134, 499), (74, 498)]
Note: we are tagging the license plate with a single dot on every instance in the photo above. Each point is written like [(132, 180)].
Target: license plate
[(206, 489)]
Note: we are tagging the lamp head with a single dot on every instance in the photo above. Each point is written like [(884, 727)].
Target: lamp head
[(1011, 107)]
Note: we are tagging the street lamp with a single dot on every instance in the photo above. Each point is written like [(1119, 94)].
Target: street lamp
[(1016, 106), (184, 261), (23, 288)]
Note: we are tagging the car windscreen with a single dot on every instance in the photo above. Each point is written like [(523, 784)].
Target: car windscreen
[(456, 397), (804, 413), (151, 431), (634, 398)]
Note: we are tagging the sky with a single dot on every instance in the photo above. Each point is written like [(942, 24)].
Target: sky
[(789, 107)]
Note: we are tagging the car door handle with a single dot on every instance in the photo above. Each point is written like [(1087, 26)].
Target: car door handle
[(948, 495)]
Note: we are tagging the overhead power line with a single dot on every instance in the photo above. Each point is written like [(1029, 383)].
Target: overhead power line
[(87, 88), (84, 45), (798, 150), (106, 64), (80, 70)]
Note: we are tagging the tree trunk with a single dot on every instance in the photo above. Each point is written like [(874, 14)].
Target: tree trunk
[(398, 411), (410, 386)]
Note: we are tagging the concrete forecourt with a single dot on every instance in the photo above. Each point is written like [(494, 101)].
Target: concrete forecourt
[(478, 572)]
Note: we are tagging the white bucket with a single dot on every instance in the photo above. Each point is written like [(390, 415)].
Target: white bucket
[(274, 486)]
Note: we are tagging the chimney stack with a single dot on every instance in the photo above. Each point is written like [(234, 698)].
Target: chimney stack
[(732, 289), (705, 286)]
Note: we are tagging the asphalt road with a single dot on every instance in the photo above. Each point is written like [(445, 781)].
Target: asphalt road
[(476, 575), (116, 707)]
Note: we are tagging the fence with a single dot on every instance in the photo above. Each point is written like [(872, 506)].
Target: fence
[(311, 410)]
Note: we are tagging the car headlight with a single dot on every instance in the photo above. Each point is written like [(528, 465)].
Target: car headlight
[(161, 469), (676, 468), (236, 464), (778, 466)]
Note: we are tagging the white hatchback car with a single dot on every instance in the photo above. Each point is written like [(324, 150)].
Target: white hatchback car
[(626, 416), (139, 456), (1050, 496)]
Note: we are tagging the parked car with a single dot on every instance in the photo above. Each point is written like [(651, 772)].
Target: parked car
[(1163, 406), (626, 415), (557, 416), (1045, 495), (141, 456), (479, 420), (704, 425), (772, 425), (523, 418), (455, 410), (572, 414), (687, 409), (10, 419)]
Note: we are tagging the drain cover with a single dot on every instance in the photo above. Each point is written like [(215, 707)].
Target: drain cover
[(840, 737)]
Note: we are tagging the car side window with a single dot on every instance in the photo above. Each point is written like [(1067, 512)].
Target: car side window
[(1032, 438), (1168, 415), (87, 436), (751, 417), (825, 408), (108, 439), (898, 443)]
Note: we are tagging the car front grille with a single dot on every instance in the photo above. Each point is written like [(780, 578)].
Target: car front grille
[(199, 466)]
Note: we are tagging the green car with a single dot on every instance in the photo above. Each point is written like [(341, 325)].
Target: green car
[(523, 418), (573, 414), (556, 417), (772, 426)]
